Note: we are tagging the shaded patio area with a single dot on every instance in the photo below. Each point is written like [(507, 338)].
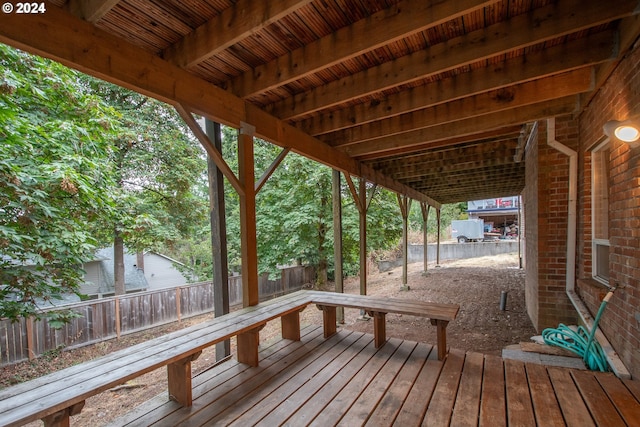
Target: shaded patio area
[(345, 380)]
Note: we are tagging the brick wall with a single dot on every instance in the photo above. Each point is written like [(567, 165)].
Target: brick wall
[(617, 99), (551, 195)]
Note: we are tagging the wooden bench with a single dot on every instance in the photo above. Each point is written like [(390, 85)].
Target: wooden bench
[(377, 308), (55, 397)]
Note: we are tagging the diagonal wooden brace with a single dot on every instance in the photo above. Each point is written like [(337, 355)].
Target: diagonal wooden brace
[(291, 325), (328, 319), (441, 331), (179, 378), (61, 418), (379, 327), (247, 346)]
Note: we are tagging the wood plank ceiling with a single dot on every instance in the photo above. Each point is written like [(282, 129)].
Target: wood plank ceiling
[(436, 95)]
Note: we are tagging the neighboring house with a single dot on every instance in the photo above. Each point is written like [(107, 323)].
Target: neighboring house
[(161, 272), (157, 271), (499, 215), (99, 280)]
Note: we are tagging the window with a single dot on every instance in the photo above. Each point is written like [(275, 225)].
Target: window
[(600, 211)]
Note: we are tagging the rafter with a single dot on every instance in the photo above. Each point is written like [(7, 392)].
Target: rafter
[(541, 25), (502, 134), (579, 53), (380, 147), (94, 51), (91, 10), (490, 153), (571, 83), (235, 23), (401, 20), (468, 164)]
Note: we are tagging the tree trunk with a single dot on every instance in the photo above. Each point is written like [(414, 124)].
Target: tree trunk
[(118, 263)]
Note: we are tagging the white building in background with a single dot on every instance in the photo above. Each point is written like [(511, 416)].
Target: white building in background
[(500, 215)]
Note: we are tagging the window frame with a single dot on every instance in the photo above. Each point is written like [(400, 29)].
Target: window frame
[(597, 242)]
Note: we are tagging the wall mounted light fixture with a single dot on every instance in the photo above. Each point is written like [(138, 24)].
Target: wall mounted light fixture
[(626, 130)]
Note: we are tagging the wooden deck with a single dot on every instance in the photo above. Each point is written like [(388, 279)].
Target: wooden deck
[(345, 380)]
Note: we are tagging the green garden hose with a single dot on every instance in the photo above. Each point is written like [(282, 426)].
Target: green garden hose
[(581, 341)]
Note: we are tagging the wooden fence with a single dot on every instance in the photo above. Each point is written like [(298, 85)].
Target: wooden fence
[(111, 317)]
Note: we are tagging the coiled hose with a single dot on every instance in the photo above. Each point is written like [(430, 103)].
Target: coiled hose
[(581, 341)]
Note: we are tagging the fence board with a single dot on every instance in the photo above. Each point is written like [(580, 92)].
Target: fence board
[(138, 311)]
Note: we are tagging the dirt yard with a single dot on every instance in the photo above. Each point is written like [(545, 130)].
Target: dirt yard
[(474, 284)]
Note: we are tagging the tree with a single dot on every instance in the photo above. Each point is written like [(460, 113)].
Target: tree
[(54, 154), (157, 168), (294, 216)]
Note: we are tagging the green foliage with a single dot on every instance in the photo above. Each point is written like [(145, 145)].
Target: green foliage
[(53, 163), (82, 161), (448, 213), (157, 169)]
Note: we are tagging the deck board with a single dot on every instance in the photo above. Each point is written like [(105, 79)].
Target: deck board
[(519, 406), (545, 406), (493, 410), (573, 408), (391, 403), (467, 406), (345, 380), (601, 409)]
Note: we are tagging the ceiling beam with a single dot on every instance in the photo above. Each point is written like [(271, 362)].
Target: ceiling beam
[(504, 134), (421, 138), (571, 83), (588, 51), (78, 44), (411, 153), (91, 10), (540, 25), (627, 35), (498, 152), (234, 24), (404, 19), (466, 165)]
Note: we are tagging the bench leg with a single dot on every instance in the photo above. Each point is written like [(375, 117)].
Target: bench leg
[(328, 319), (61, 418), (291, 326), (441, 330), (379, 328), (179, 378), (248, 343)]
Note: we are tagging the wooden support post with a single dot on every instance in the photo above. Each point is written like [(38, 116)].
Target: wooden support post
[(248, 239), (291, 326), (441, 335), (248, 343), (218, 223), (425, 237), (438, 244), (179, 379), (379, 328), (337, 238), (61, 418), (328, 319), (362, 194), (405, 205)]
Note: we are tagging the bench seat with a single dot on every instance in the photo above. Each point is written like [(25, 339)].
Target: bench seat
[(55, 397), (377, 307)]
